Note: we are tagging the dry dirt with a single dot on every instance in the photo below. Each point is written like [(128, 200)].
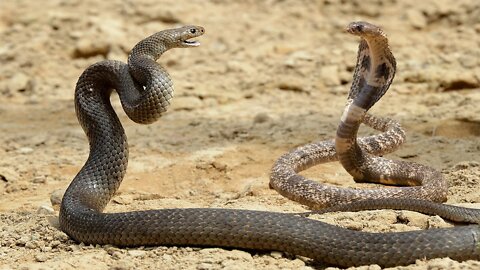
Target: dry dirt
[(269, 76)]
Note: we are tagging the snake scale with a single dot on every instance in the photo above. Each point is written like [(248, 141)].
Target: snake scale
[(145, 90)]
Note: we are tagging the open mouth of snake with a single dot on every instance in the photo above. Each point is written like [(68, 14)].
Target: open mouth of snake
[(191, 42)]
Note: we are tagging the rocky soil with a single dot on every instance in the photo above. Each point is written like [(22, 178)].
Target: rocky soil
[(270, 75)]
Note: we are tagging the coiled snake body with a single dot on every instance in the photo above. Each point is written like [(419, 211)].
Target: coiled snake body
[(145, 91)]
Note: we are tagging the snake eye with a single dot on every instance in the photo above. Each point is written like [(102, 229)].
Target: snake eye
[(193, 30)]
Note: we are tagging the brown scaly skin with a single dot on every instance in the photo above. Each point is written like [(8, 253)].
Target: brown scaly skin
[(81, 214), (372, 77)]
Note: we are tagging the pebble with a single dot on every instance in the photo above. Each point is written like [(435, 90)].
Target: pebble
[(117, 255), (55, 243), (8, 175), (276, 254), (137, 253), (123, 199), (416, 18), (56, 198), (88, 47), (261, 118), (16, 186), (31, 245), (22, 241), (205, 266), (413, 219), (20, 82), (294, 58), (39, 180), (24, 150), (240, 254), (437, 222), (45, 210), (41, 257), (291, 84), (458, 81), (222, 167)]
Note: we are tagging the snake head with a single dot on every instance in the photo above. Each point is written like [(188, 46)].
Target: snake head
[(364, 29), (180, 37)]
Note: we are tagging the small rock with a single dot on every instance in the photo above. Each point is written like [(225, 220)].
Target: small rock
[(16, 186), (22, 241), (219, 166), (276, 254), (291, 84), (31, 245), (8, 175), (416, 18), (56, 198), (298, 263), (465, 165), (41, 257), (240, 254), (261, 118), (296, 57), (45, 210), (53, 221), (24, 150), (413, 219), (137, 253), (85, 48), (205, 266), (437, 222), (117, 255), (167, 257), (202, 165), (459, 80), (39, 180), (62, 237), (123, 199), (20, 83), (55, 243), (45, 249)]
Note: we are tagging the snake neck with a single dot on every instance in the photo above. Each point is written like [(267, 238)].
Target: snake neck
[(374, 72), (373, 75)]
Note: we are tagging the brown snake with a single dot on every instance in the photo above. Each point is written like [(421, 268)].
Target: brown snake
[(373, 75), (145, 90)]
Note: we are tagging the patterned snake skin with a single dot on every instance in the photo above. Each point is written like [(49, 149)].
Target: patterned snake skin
[(145, 91), (373, 75)]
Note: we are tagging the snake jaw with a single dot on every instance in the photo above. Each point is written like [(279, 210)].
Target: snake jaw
[(186, 33), (191, 43)]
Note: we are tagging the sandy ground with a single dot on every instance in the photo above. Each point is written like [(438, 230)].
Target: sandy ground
[(269, 76)]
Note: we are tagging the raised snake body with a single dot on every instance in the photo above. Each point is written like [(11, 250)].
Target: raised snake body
[(145, 91)]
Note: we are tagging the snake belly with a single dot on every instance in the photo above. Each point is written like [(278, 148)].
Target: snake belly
[(146, 90)]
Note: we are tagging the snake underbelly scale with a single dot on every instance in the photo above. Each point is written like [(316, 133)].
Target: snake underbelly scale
[(146, 90)]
